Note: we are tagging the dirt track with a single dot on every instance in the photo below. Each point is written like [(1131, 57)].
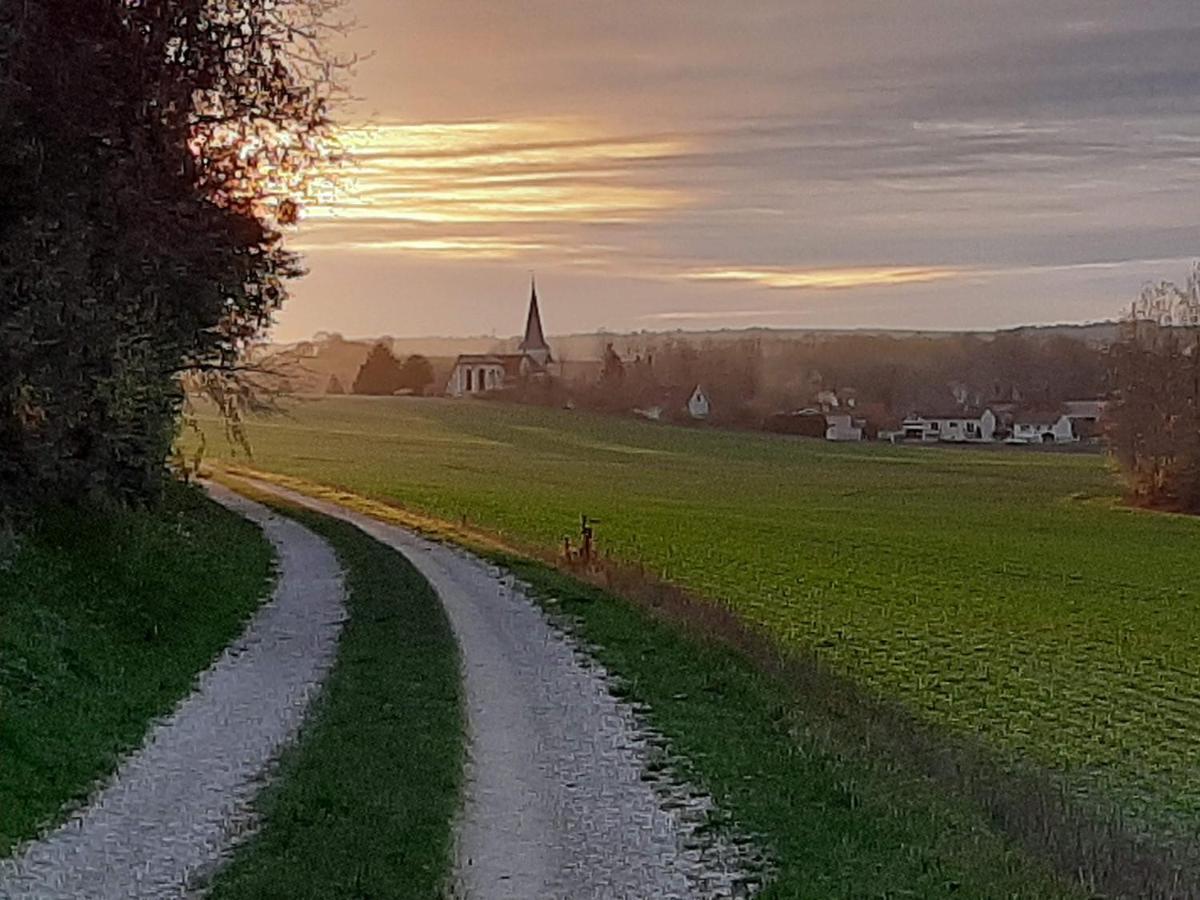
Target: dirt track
[(557, 800), (557, 803), (176, 804)]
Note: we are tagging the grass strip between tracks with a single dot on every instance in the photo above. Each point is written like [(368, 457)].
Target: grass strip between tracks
[(363, 804)]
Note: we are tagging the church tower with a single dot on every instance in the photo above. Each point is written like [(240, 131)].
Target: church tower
[(534, 343)]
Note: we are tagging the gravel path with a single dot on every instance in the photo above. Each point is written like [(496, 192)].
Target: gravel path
[(176, 804), (558, 803)]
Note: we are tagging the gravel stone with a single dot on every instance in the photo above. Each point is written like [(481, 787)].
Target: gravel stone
[(559, 800), (175, 806)]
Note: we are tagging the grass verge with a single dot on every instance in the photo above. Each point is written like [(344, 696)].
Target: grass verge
[(104, 623), (363, 803), (838, 823)]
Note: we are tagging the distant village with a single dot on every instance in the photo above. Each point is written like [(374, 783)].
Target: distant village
[(909, 389)]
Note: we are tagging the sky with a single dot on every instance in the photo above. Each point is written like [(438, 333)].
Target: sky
[(662, 164)]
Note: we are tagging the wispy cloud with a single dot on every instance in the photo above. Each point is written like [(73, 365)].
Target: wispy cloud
[(722, 315), (973, 162), (465, 247), (502, 172), (826, 279)]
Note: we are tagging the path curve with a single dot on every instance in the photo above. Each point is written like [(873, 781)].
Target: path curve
[(557, 802), (174, 806)]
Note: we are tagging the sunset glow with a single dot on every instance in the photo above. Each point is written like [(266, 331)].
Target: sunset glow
[(825, 279), (482, 172), (914, 165)]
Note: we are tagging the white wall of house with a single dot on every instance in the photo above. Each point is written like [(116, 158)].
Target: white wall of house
[(842, 428), (1059, 431), (471, 377), (698, 405), (957, 430)]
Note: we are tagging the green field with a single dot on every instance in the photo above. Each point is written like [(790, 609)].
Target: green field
[(1001, 593)]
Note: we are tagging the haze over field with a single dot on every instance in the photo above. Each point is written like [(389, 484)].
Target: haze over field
[(916, 164)]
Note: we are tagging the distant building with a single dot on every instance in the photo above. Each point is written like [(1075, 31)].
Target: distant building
[(1086, 417), (954, 427), (828, 399), (843, 427), (815, 423), (842, 398), (481, 373), (1042, 427), (698, 406)]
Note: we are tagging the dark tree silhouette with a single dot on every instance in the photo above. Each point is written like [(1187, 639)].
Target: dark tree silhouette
[(416, 374), (380, 374), (150, 153)]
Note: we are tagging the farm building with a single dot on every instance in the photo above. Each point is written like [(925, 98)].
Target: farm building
[(1042, 427), (954, 427), (481, 373), (698, 406)]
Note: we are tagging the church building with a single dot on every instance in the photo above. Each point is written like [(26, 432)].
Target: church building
[(480, 373)]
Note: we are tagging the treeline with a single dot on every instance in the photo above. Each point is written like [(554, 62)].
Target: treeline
[(884, 377), (150, 153)]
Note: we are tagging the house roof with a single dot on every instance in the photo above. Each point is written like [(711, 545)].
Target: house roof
[(1037, 415), (941, 413), (1086, 409)]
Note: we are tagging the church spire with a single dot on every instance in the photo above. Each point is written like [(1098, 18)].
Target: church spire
[(534, 343)]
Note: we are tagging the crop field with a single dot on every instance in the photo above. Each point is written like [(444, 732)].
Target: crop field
[(1002, 593)]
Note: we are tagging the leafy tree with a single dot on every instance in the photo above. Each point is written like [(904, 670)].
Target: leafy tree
[(416, 374), (380, 374), (150, 153)]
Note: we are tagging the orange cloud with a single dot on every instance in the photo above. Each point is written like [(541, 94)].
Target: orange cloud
[(482, 172), (826, 279)]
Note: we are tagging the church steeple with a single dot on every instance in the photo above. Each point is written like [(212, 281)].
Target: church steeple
[(534, 343)]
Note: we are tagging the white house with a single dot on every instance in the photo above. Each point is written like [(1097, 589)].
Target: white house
[(480, 373), (1042, 428), (842, 427), (957, 428), (698, 406)]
